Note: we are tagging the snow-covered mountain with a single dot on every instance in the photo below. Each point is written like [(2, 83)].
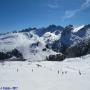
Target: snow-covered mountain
[(37, 44), (72, 73), (78, 38), (29, 44)]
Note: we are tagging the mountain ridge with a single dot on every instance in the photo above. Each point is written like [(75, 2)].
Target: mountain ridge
[(52, 40)]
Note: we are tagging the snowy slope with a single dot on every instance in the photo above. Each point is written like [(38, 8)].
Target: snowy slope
[(76, 29), (71, 74), (26, 43), (49, 37)]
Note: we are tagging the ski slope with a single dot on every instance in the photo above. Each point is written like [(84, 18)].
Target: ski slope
[(71, 74)]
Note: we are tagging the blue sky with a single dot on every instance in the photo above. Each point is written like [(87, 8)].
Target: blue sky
[(20, 14)]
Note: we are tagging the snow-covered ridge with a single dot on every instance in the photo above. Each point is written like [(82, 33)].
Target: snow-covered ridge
[(29, 44), (32, 44), (76, 29)]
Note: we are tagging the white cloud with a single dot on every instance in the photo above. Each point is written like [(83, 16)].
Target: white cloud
[(53, 4), (86, 4), (71, 13)]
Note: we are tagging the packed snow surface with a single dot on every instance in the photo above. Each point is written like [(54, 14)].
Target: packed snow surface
[(71, 74)]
